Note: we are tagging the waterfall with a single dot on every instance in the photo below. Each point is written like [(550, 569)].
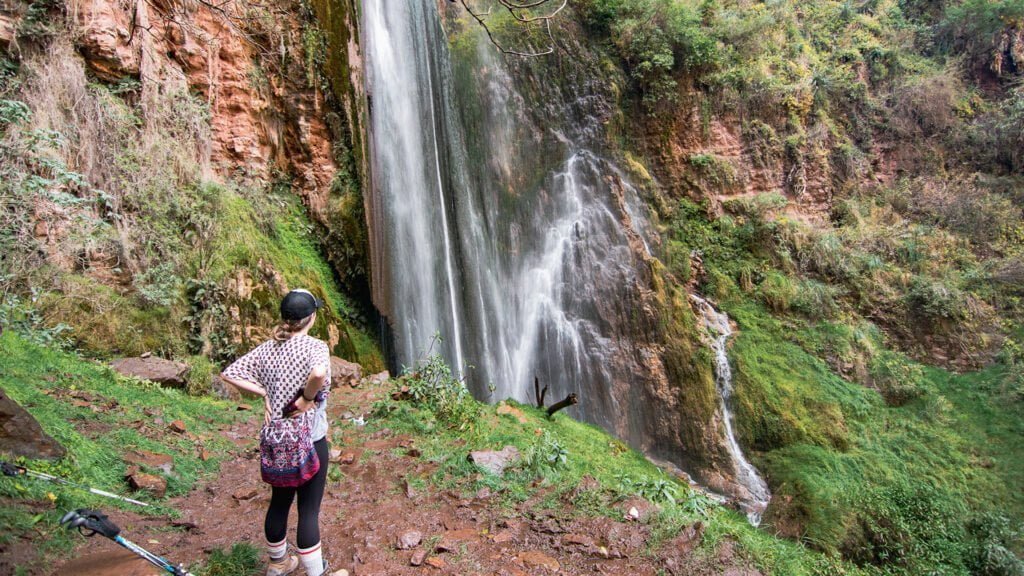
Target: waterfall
[(521, 280), (755, 497), (415, 276)]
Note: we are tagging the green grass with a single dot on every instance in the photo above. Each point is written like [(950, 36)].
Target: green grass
[(870, 454), (590, 452), (241, 560), (45, 383)]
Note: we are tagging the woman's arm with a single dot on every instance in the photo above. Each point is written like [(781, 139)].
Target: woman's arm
[(246, 385), (314, 383)]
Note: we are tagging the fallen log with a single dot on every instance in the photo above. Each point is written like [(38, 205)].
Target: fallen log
[(570, 400)]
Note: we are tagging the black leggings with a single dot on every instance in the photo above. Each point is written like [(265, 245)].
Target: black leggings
[(275, 527)]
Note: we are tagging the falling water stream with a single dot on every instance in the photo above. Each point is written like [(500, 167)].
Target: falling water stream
[(519, 282), (718, 330)]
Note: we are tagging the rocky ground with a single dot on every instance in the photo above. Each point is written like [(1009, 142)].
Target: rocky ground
[(375, 523)]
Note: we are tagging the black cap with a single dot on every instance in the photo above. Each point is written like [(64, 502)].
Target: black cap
[(299, 304)]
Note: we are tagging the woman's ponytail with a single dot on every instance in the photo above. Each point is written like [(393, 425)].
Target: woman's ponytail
[(288, 328)]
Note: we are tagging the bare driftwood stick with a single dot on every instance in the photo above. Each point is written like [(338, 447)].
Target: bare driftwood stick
[(569, 401), (539, 394)]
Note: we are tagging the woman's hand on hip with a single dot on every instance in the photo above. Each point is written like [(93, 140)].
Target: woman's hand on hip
[(267, 416), (302, 405)]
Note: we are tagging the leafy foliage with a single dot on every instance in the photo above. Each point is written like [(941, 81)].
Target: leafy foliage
[(657, 490), (546, 454), (430, 384)]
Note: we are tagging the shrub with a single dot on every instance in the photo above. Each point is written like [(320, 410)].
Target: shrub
[(656, 490), (974, 26), (24, 319), (964, 207), (656, 40), (778, 291), (927, 104), (159, 285), (993, 538), (896, 378), (430, 384), (200, 374), (936, 301), (917, 528), (546, 453)]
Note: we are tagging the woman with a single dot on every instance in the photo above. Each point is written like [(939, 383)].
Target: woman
[(292, 371)]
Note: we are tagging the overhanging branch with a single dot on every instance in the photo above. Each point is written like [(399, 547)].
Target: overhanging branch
[(516, 10)]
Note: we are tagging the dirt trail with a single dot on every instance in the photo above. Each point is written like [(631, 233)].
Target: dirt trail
[(370, 508)]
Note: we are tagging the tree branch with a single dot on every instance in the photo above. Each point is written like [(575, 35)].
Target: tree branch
[(570, 400), (514, 8)]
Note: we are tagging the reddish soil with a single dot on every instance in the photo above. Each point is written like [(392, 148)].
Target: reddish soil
[(366, 512)]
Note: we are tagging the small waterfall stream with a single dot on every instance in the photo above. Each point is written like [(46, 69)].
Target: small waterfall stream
[(755, 500)]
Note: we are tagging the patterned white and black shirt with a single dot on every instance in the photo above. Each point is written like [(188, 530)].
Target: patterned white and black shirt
[(282, 368)]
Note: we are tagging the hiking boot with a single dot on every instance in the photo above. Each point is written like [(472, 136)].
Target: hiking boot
[(283, 567)]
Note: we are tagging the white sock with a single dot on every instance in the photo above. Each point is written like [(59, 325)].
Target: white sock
[(312, 560), (278, 550)]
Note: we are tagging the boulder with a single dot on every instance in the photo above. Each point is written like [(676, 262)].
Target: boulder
[(495, 461), (21, 435), (378, 379), (345, 373), (164, 372)]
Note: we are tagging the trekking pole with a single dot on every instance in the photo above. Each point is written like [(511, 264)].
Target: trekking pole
[(9, 469), (93, 522)]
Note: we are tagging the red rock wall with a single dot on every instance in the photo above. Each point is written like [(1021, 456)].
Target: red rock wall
[(264, 115)]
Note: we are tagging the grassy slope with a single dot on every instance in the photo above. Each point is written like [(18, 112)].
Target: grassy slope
[(892, 484), (42, 380), (445, 435), (31, 374)]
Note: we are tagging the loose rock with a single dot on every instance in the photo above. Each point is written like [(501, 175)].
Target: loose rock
[(245, 494), (418, 557), (493, 461), (163, 372), (156, 485), (345, 373), (537, 559), (578, 540), (409, 539)]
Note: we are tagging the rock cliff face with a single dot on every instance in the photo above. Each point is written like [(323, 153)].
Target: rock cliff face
[(259, 123), (190, 125)]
